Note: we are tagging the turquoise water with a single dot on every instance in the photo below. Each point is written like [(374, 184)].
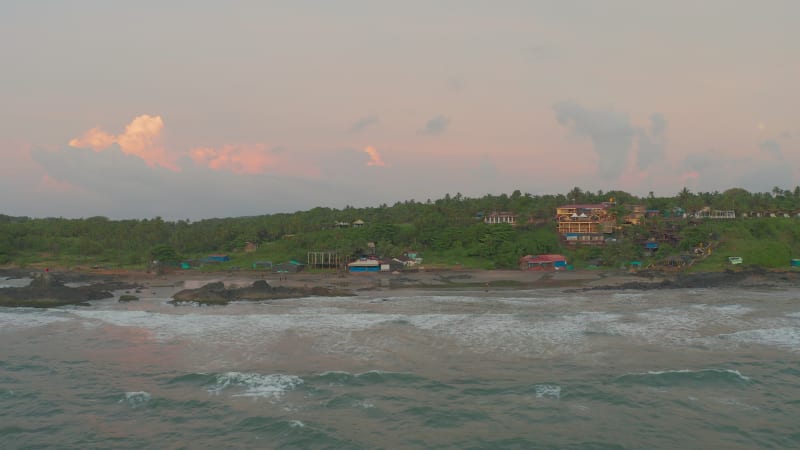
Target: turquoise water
[(505, 369)]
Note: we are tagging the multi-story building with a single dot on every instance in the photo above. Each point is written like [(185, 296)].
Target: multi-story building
[(585, 223)]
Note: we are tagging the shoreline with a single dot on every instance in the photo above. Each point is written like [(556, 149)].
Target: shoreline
[(432, 279)]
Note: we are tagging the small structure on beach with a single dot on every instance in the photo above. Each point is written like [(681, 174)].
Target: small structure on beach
[(364, 265), (262, 265), (217, 258), (543, 262), (289, 267), (324, 260), (392, 265)]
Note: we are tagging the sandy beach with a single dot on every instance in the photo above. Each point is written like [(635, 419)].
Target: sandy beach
[(433, 279), (416, 280), (410, 283)]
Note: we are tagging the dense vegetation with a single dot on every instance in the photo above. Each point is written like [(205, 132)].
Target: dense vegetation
[(447, 232)]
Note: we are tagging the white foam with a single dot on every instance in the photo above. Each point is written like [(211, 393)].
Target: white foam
[(665, 372), (581, 408), (136, 398), (28, 318), (363, 404), (680, 325), (225, 328), (628, 296), (296, 424), (528, 326), (724, 310), (14, 282), (729, 401), (784, 337), (256, 385), (551, 391)]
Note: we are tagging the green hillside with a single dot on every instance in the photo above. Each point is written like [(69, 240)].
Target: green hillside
[(447, 232)]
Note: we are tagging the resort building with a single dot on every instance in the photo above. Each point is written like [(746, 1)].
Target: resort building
[(585, 223)]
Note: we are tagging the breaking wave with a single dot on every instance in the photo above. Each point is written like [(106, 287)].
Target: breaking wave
[(683, 377), (272, 386)]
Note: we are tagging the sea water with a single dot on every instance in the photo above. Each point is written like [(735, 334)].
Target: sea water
[(715, 368)]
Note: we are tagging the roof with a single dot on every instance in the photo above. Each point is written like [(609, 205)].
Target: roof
[(365, 263), (544, 258), (585, 206)]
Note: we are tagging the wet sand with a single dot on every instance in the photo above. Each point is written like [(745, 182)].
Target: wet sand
[(418, 280)]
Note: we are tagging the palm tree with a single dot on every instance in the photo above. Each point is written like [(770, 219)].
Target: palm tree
[(576, 194), (684, 195)]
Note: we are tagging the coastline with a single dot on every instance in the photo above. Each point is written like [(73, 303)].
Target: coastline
[(76, 287), (466, 279), (438, 279), (411, 283)]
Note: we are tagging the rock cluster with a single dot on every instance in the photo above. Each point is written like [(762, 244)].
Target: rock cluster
[(46, 291), (217, 294)]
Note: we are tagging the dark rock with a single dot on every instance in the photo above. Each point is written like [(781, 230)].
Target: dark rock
[(751, 277), (216, 286), (47, 290), (45, 281), (261, 284), (216, 294)]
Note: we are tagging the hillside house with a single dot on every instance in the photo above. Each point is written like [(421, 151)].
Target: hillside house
[(708, 213), (500, 217), (636, 214)]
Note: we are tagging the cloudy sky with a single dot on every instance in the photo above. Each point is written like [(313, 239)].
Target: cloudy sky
[(203, 108)]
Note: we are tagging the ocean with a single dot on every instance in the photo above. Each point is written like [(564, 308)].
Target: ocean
[(504, 369)]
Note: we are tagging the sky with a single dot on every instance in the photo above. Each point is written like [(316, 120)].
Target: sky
[(200, 109)]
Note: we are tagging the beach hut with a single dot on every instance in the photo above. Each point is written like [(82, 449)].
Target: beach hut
[(290, 267), (262, 265), (364, 265), (543, 262)]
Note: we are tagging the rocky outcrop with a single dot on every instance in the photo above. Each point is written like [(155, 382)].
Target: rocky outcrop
[(46, 290), (125, 298), (748, 278), (217, 294)]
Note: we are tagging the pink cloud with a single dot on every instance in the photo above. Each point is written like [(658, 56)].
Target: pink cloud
[(95, 139), (142, 138), (252, 159), (50, 184), (374, 157), (245, 159)]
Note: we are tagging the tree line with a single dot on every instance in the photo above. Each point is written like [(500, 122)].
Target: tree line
[(448, 229)]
